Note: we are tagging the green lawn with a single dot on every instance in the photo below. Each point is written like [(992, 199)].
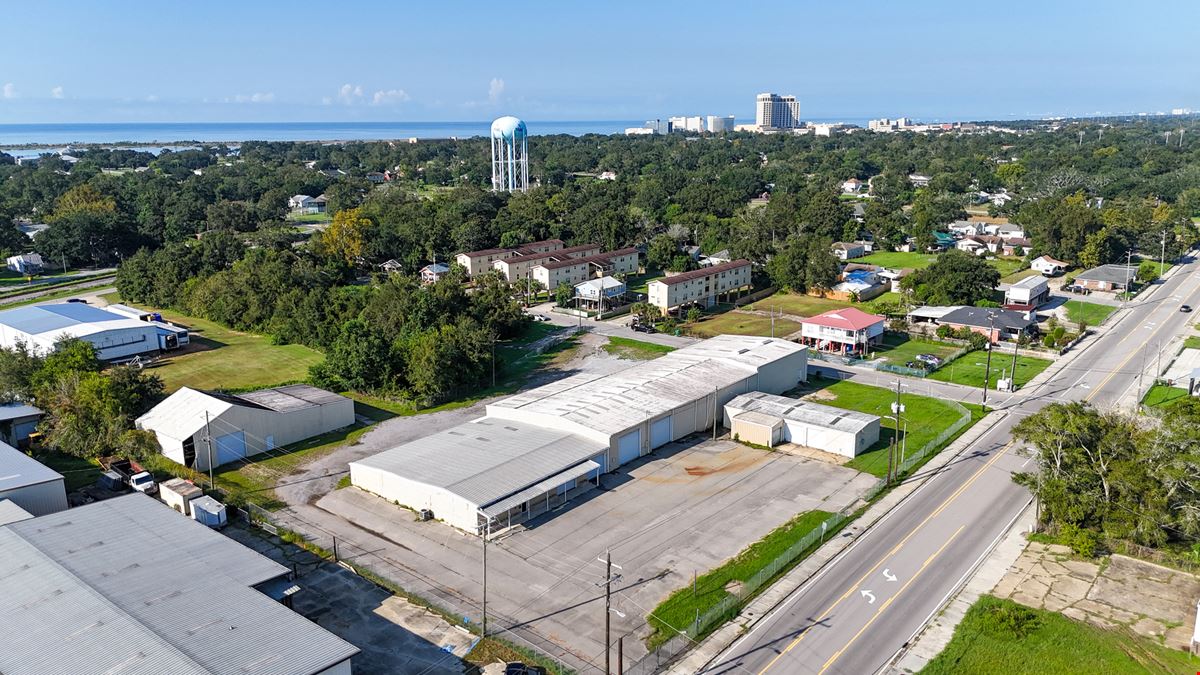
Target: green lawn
[(797, 304), (969, 368), (309, 217), (899, 350), (1000, 636), (1090, 313), (736, 323), (1006, 266), (898, 260), (1014, 277), (1163, 395), (1191, 342), (77, 472), (636, 283), (927, 417), (679, 610), (636, 350), (890, 297)]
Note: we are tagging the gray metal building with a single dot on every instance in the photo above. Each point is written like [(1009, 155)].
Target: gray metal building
[(769, 420), (128, 586), (29, 484)]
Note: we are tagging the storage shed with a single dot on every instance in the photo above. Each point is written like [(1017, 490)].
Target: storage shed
[(30, 484), (242, 425), (17, 421), (769, 420)]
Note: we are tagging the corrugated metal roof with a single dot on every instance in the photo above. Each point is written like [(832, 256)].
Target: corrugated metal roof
[(612, 403), (181, 414), (487, 459), (758, 418), (11, 513), (292, 397), (782, 407), (18, 470), (128, 585), (11, 411), (496, 508)]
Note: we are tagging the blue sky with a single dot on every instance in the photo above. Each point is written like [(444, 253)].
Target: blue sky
[(252, 60)]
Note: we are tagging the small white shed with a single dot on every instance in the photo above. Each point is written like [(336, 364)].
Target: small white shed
[(842, 432)]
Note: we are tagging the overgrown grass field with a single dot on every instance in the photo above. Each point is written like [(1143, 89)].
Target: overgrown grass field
[(736, 323), (969, 369), (1090, 313)]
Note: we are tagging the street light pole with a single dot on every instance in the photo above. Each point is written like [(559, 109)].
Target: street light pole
[(1128, 276), (1162, 257), (1012, 381)]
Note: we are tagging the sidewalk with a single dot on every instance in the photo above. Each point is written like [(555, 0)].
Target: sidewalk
[(713, 646)]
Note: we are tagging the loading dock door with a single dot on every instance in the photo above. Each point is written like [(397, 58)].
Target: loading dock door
[(230, 447), (660, 432), (629, 446)]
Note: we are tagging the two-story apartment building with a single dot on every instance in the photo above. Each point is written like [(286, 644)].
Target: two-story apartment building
[(478, 262), (701, 286), (520, 266), (577, 270), (846, 331)]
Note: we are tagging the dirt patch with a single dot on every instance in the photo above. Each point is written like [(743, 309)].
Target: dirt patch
[(698, 470), (820, 395), (1153, 601)]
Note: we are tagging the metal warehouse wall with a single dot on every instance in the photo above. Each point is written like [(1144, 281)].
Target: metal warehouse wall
[(40, 499)]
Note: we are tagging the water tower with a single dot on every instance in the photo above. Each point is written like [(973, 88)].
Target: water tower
[(510, 149)]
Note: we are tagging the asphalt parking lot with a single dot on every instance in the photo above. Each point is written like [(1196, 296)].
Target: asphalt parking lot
[(682, 510)]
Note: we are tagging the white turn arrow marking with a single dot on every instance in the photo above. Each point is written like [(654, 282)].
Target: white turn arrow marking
[(887, 574), (869, 596)]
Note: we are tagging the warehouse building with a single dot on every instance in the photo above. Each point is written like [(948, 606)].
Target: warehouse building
[(574, 429), (242, 425), (29, 484), (115, 336), (765, 419), (128, 586)]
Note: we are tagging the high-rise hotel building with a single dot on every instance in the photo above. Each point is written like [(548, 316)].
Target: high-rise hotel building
[(777, 112)]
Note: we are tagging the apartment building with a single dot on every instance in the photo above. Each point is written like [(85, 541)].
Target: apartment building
[(479, 262), (701, 286), (577, 270), (520, 266)]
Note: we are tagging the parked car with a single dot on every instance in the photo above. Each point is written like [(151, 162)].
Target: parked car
[(540, 317), (1185, 308), (77, 300), (515, 668), (929, 359)]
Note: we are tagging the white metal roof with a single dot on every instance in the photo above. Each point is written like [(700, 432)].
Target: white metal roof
[(1030, 282), (181, 414), (486, 460), (18, 470), (609, 404), (128, 585), (933, 312), (11, 513), (782, 407)]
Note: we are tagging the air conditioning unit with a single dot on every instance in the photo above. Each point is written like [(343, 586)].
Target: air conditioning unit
[(425, 514)]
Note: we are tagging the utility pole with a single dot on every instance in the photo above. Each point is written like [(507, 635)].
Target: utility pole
[(621, 655), (987, 371), (208, 442), (715, 391), (608, 579), (1162, 257), (893, 469), (487, 529), (1012, 382), (493, 360), (1128, 275)]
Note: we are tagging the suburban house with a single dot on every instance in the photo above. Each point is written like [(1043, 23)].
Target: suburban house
[(848, 331), (769, 419), (479, 262), (893, 277), (1005, 230), (717, 258), (943, 240), (965, 227), (702, 286), (972, 244), (520, 266), (433, 272), (376, 177), (1014, 246), (848, 250), (1028, 293), (392, 266), (858, 284), (26, 263), (1107, 278), (918, 180), (852, 186), (1048, 266), (304, 204), (193, 426), (600, 293), (577, 270), (860, 212), (996, 324)]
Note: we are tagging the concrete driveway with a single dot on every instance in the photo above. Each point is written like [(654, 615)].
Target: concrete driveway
[(683, 510)]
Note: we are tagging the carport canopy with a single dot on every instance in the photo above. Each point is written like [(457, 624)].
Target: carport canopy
[(539, 489)]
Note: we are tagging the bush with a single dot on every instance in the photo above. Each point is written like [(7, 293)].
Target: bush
[(977, 340), (964, 333), (1010, 620), (900, 325), (987, 303), (1082, 541), (1048, 341), (945, 331)]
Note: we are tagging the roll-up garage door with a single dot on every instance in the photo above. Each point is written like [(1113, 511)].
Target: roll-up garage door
[(660, 432), (629, 446), (230, 447)]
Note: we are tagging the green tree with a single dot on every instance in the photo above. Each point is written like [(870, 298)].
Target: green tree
[(661, 252), (564, 295), (954, 278)]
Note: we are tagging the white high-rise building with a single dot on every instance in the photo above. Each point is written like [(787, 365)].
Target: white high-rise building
[(777, 112), (510, 155), (717, 124)]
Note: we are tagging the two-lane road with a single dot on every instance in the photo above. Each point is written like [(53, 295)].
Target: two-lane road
[(862, 608)]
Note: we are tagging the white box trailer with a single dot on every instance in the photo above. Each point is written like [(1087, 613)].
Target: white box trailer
[(208, 511), (178, 494)]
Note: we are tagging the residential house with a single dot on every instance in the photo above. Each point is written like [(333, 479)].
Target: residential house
[(918, 180), (860, 212), (1107, 277), (600, 293), (966, 228), (1015, 246), (376, 177), (1007, 231), (893, 277), (849, 331), (1028, 293), (433, 272), (1048, 266), (852, 186), (996, 324), (971, 245), (702, 286), (717, 258), (26, 263), (608, 175), (392, 266), (848, 250), (943, 241)]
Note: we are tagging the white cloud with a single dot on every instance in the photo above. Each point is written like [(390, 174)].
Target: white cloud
[(257, 97), (10, 90), (387, 96), (350, 93), (57, 92), (495, 90)]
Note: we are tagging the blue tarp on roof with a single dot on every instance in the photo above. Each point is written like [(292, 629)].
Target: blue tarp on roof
[(44, 318), (861, 276)]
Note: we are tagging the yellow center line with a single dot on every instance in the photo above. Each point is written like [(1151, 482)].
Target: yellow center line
[(885, 605), (957, 493)]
